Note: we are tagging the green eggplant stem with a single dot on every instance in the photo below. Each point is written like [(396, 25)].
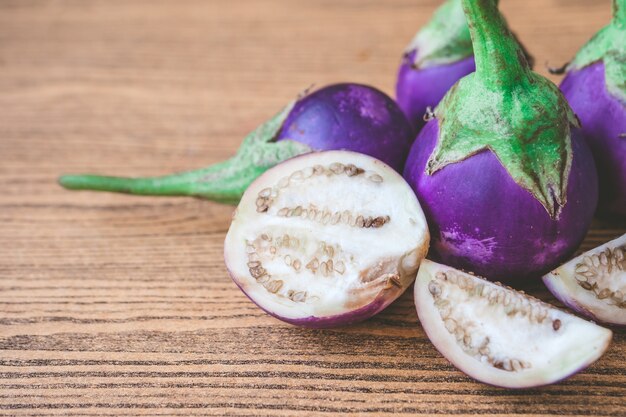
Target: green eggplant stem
[(219, 182), (224, 182), (144, 186), (445, 38), (619, 13), (500, 60)]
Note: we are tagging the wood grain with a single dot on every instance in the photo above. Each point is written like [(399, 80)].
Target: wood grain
[(121, 305)]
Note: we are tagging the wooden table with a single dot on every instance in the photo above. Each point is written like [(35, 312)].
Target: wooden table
[(121, 305)]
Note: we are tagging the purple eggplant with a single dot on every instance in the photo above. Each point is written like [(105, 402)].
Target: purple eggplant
[(347, 116), (595, 87), (508, 185)]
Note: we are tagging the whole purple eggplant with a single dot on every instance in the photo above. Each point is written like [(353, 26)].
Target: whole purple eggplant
[(509, 187), (595, 87), (346, 116)]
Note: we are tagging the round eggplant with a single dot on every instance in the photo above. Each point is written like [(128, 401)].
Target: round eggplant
[(508, 185), (481, 220), (595, 88), (346, 116)]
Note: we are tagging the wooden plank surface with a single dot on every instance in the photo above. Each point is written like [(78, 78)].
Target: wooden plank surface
[(121, 305)]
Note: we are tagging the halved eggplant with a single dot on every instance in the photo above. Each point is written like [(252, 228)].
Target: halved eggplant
[(326, 239)]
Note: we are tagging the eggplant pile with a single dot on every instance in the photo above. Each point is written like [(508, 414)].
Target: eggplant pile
[(482, 165)]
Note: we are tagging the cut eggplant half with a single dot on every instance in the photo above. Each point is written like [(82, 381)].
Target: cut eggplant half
[(326, 239), (501, 336), (594, 283)]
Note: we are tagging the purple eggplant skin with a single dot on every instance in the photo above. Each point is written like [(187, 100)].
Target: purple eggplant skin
[(353, 117), (603, 120), (419, 88), (339, 320), (482, 221)]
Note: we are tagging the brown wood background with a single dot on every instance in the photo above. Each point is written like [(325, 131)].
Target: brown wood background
[(121, 305)]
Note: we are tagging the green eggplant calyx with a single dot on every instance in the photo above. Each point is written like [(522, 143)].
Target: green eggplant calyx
[(445, 39), (507, 109)]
